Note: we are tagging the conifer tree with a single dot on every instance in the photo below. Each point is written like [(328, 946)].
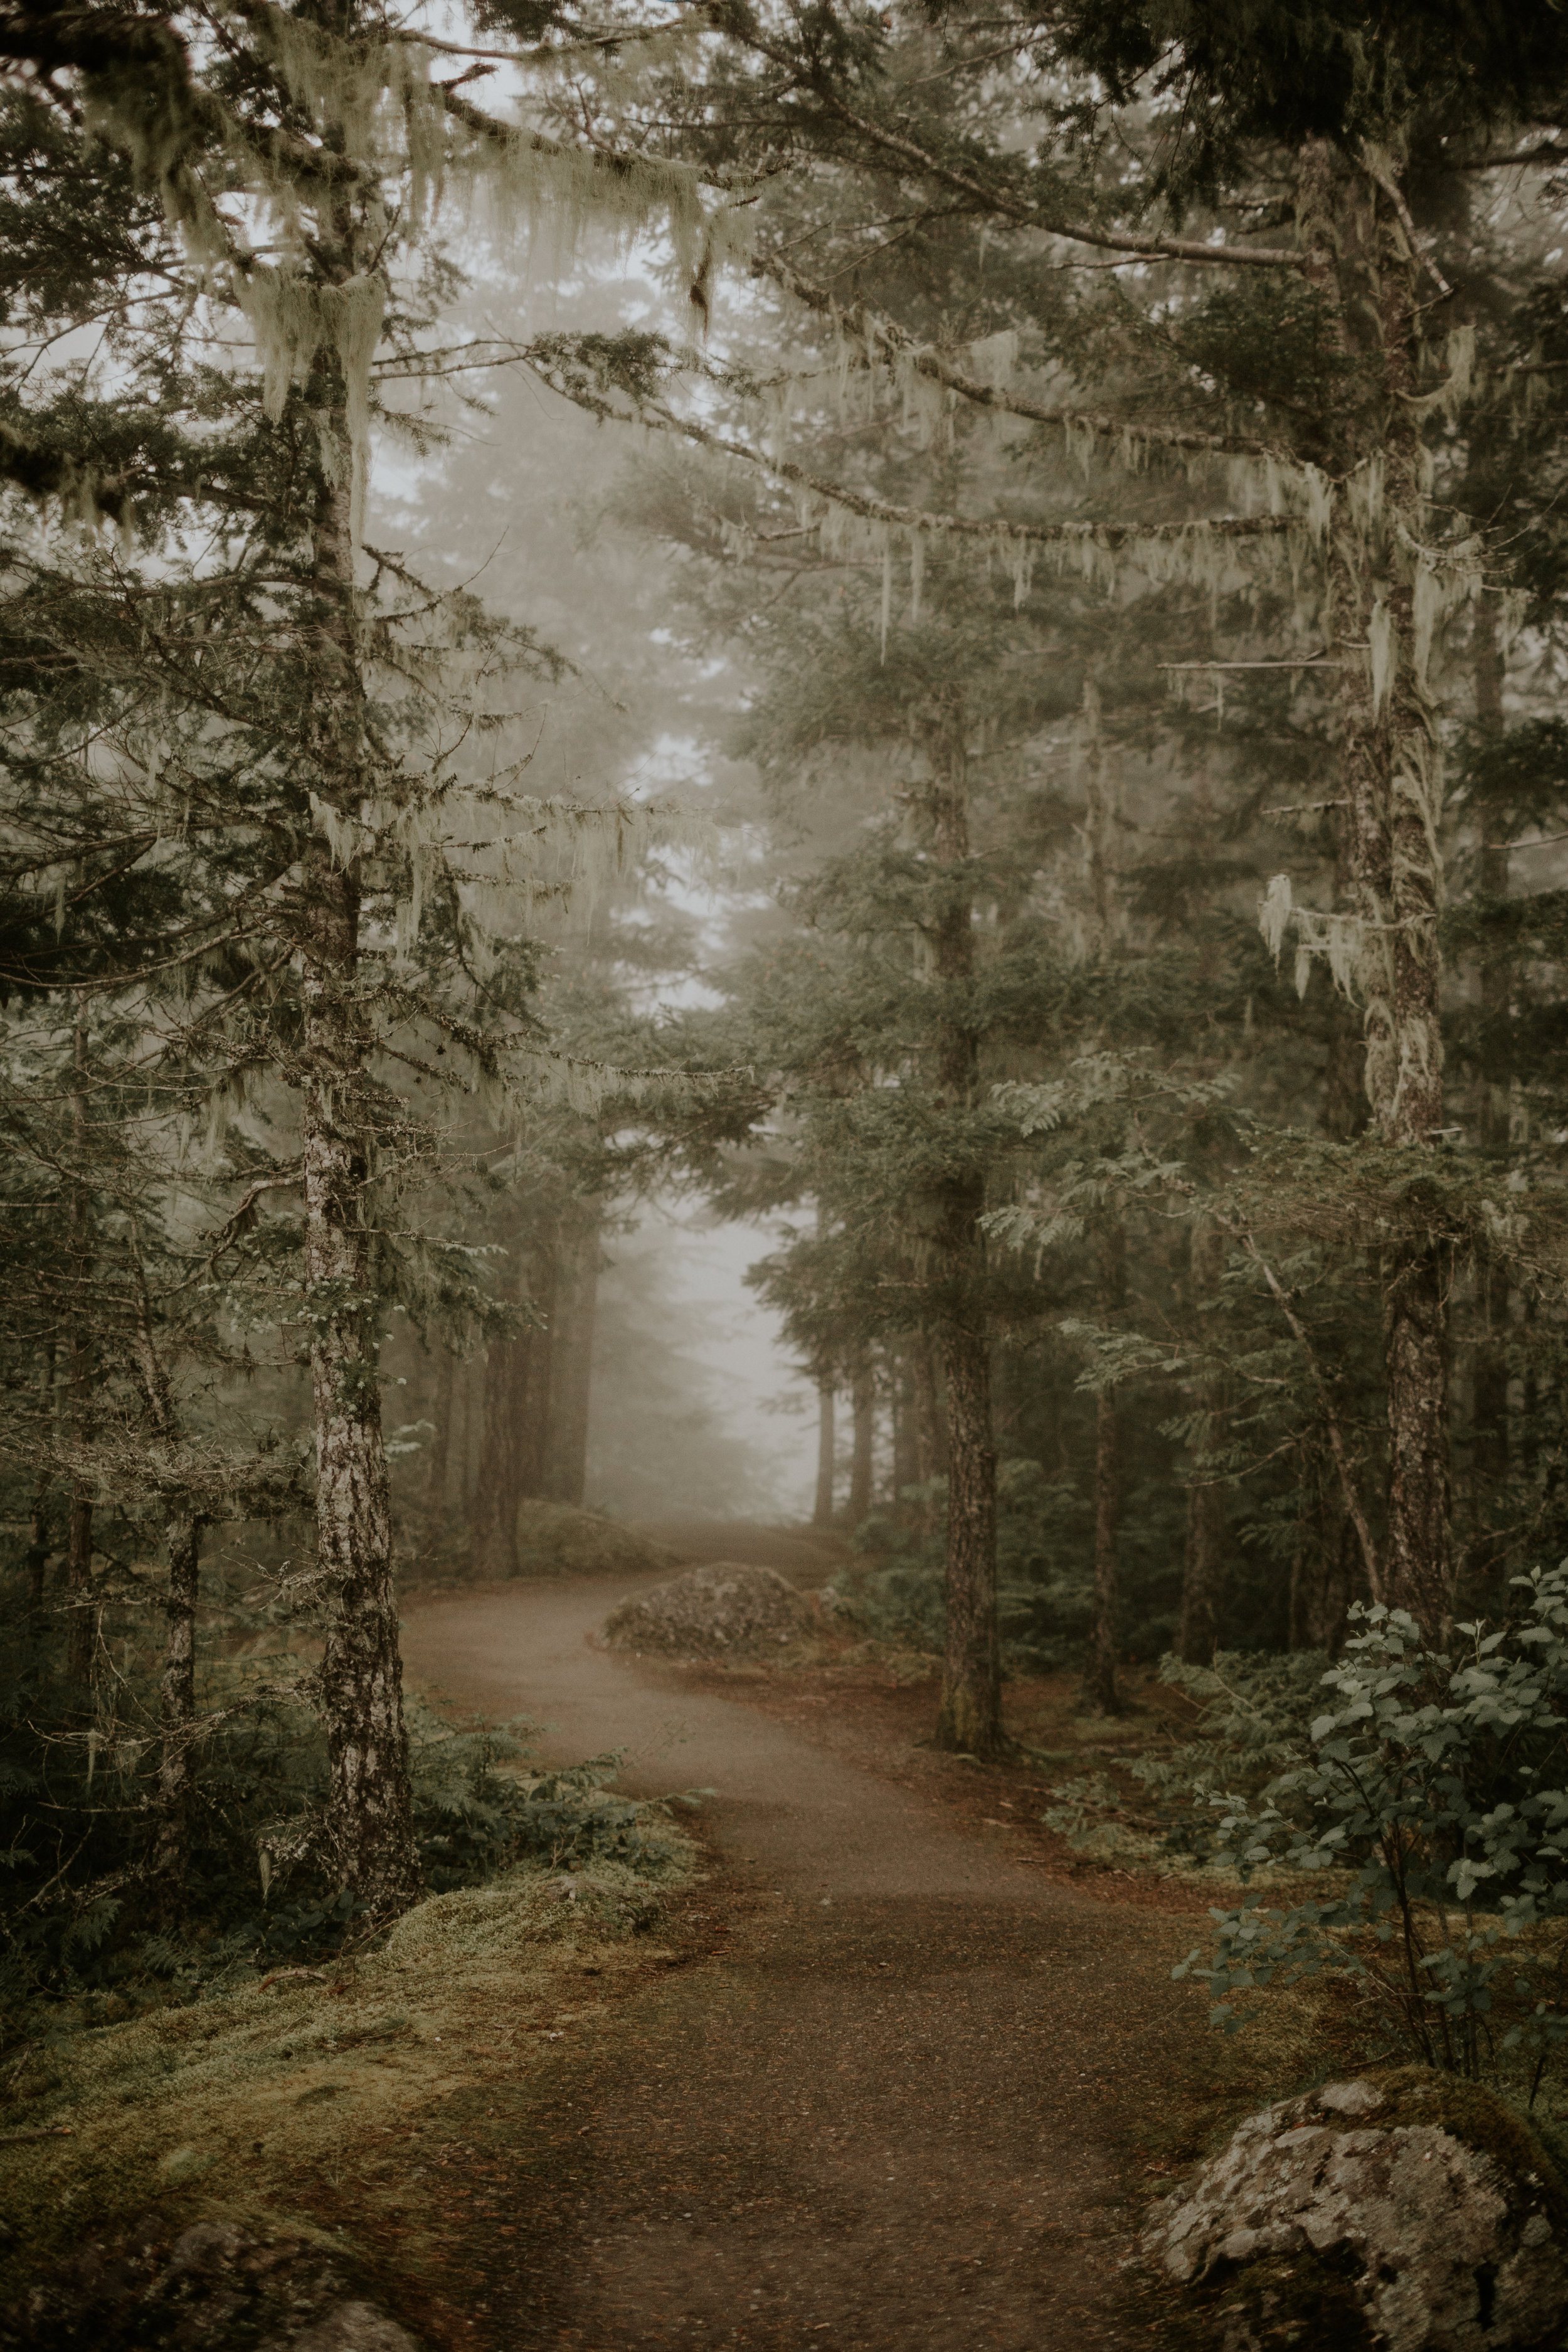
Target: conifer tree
[(1316, 338), (291, 723)]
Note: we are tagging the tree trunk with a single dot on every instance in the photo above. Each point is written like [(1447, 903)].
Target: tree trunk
[(1490, 1457), (1203, 1568), (471, 1396), (822, 1510), (37, 1553), (1323, 1580), (443, 1409), (1101, 1689), (177, 1706), (499, 1492), (906, 1430), (1358, 257), (81, 1623), (571, 1358), (863, 1407), (177, 1693), (970, 1718), (537, 1372), (931, 1436), (369, 1814)]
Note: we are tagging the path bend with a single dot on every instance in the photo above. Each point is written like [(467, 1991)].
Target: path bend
[(898, 2112)]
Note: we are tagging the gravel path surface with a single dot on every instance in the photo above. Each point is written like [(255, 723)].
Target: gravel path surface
[(894, 2108)]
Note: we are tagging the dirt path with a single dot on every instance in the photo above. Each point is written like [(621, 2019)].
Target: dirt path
[(900, 2110)]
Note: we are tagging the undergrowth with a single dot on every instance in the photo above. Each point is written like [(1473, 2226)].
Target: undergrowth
[(86, 1932)]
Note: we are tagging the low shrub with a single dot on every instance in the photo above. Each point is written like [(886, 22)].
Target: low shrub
[(1431, 1789)]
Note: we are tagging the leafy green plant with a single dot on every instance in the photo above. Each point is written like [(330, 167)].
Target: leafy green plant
[(894, 1589), (1435, 1790)]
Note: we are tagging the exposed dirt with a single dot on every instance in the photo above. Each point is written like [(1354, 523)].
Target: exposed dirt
[(916, 2096)]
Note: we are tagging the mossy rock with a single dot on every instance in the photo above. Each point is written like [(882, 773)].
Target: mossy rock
[(1406, 2208), (218, 2284), (1296, 2305), (554, 1539), (1477, 2118), (722, 1609)]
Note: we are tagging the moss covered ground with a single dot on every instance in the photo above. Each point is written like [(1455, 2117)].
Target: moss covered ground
[(293, 2105)]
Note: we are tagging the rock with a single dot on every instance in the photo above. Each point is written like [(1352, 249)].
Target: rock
[(719, 1611), (219, 2286), (1408, 2210), (353, 2328)]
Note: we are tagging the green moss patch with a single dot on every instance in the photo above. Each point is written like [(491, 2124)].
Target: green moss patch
[(237, 2108)]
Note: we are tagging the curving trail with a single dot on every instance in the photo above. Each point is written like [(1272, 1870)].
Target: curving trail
[(896, 2113)]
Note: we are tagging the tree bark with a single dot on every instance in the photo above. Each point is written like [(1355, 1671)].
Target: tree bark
[(906, 1431), (443, 1409), (572, 1357), (369, 1810), (1359, 258), (1489, 1457), (81, 1623), (1203, 1568), (863, 1409), (1101, 1689), (970, 1718), (1323, 1579), (931, 1436), (37, 1553), (499, 1492), (177, 1690), (536, 1370), (822, 1508), (177, 1706), (471, 1391)]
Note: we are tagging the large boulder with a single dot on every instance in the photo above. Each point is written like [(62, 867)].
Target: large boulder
[(1405, 2210), (721, 1610)]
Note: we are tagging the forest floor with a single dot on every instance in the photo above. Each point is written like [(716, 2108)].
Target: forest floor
[(920, 2068), (895, 2069)]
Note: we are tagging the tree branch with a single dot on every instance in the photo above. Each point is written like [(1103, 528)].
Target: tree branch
[(873, 328), (1023, 215)]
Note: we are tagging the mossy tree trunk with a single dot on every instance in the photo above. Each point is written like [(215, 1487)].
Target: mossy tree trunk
[(1101, 1689), (930, 1435), (1489, 1459), (863, 1431), (821, 1507), (81, 1623), (492, 1526), (1360, 261), (1203, 1563), (369, 1814), (442, 1409), (906, 1429), (970, 1716), (572, 1354), (177, 1708), (177, 1684)]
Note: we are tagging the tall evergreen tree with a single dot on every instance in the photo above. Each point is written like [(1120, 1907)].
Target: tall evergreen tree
[(308, 739)]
